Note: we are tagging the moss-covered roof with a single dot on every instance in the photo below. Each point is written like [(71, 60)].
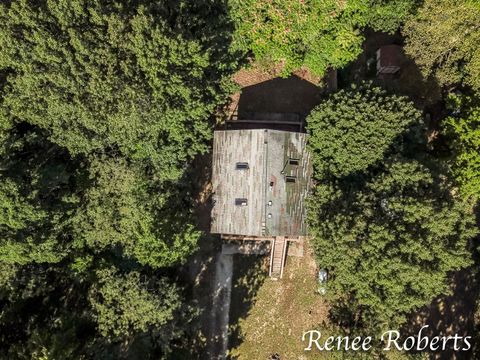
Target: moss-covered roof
[(275, 183)]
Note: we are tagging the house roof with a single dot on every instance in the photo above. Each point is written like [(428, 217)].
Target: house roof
[(266, 197)]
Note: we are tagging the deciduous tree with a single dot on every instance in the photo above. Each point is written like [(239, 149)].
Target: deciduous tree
[(103, 105), (390, 238), (386, 218), (125, 305), (99, 75), (464, 126), (313, 34), (443, 38)]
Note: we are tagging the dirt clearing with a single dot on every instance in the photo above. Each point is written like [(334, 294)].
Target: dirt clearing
[(271, 316)]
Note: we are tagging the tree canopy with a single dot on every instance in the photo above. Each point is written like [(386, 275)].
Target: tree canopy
[(443, 39), (99, 75), (313, 34), (124, 305), (355, 128), (388, 232), (463, 126), (103, 106), (391, 240)]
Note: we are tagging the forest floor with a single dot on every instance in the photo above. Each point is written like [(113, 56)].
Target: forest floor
[(269, 316), (450, 314)]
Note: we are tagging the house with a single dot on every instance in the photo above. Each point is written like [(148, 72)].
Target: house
[(260, 180)]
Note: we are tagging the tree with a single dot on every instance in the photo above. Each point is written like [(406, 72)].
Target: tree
[(464, 128), (103, 106), (390, 239), (118, 211), (357, 128), (125, 305), (119, 76), (313, 34), (443, 39), (384, 216), (34, 204)]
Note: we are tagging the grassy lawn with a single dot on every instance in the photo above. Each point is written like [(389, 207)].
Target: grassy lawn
[(270, 316)]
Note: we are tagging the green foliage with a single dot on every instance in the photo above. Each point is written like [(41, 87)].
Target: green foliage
[(465, 128), (97, 76), (125, 305), (31, 207), (7, 273), (384, 217), (390, 239), (387, 15), (443, 39), (103, 106), (119, 211), (356, 128), (312, 33)]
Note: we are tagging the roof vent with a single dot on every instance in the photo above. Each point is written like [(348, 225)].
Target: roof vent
[(290, 179), (242, 166), (241, 202)]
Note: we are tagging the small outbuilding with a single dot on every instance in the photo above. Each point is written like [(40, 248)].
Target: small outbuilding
[(389, 59)]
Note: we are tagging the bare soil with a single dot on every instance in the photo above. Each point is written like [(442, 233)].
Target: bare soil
[(265, 91)]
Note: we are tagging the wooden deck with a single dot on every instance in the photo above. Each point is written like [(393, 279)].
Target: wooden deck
[(277, 247)]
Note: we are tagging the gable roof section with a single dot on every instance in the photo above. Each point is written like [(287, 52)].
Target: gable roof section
[(275, 204)]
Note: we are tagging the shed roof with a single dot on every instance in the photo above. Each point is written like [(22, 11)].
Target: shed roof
[(390, 55), (275, 184)]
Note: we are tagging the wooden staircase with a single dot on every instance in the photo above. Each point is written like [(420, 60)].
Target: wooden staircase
[(277, 257)]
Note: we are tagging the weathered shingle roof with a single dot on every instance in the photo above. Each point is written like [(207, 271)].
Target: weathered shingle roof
[(275, 206)]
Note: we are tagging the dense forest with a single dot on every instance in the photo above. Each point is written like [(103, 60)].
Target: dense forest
[(104, 106)]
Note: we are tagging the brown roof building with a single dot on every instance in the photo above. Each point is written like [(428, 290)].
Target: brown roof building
[(260, 183), (389, 59)]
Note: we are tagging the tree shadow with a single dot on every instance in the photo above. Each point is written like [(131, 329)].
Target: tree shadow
[(409, 81), (449, 315), (249, 274)]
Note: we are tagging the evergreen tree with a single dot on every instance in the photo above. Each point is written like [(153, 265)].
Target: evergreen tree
[(384, 216), (357, 128)]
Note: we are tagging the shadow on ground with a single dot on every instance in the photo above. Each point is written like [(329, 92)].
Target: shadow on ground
[(284, 102), (450, 315), (280, 95), (249, 273), (425, 93)]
